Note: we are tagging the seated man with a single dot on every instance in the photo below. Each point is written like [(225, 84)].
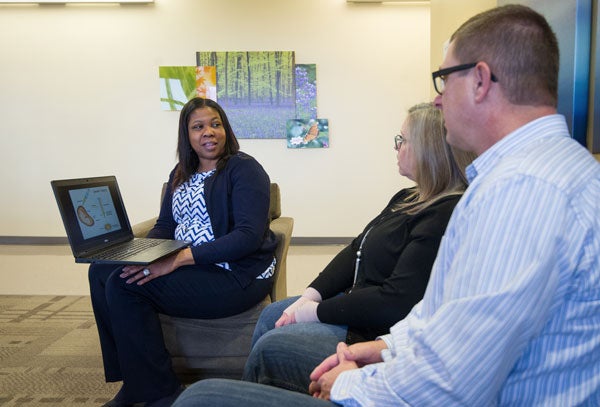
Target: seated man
[(511, 314)]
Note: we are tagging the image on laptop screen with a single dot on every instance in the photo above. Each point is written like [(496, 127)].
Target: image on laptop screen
[(95, 211)]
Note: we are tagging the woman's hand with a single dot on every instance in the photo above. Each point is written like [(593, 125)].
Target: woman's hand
[(304, 309), (288, 317), (304, 312), (142, 274)]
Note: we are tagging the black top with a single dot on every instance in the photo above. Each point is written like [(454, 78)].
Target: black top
[(396, 260)]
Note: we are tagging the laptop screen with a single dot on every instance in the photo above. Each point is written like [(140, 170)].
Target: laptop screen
[(93, 213), (96, 214)]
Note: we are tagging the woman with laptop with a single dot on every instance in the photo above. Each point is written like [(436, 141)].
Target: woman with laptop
[(218, 200)]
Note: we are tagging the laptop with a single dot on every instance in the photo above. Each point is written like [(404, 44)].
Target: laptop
[(97, 225)]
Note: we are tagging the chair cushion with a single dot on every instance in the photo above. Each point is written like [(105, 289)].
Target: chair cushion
[(210, 347)]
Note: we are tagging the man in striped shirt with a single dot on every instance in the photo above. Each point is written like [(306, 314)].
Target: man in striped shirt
[(511, 314)]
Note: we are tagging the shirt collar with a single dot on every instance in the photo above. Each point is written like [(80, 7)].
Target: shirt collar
[(515, 141)]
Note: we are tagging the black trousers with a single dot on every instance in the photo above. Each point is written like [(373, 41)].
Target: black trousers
[(133, 349)]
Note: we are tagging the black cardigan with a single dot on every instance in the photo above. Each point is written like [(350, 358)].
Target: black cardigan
[(396, 261)]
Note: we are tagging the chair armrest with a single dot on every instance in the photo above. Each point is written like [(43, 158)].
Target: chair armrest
[(141, 229), (282, 227)]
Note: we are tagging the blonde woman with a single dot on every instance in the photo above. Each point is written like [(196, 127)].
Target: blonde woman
[(375, 281)]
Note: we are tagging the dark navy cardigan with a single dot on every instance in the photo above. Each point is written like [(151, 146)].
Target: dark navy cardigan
[(237, 201)]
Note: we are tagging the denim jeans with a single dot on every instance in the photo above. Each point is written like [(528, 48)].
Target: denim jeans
[(233, 393), (285, 356)]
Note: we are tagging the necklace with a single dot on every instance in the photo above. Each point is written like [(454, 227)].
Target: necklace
[(358, 254)]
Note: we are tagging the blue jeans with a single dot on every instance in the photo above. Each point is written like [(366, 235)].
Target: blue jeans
[(234, 393), (285, 356)]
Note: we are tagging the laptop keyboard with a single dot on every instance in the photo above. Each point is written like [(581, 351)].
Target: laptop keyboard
[(129, 249)]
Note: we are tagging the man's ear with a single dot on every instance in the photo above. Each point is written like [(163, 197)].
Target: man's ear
[(483, 75)]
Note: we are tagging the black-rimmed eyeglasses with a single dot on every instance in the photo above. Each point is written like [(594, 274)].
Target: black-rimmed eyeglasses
[(439, 77), (398, 140)]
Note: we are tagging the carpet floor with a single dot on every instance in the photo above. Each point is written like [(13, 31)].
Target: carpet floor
[(50, 353)]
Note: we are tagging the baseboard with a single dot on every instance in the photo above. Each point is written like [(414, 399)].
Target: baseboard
[(62, 240), (33, 240), (320, 241)]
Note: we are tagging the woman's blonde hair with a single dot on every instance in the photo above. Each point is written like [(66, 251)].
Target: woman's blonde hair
[(440, 169)]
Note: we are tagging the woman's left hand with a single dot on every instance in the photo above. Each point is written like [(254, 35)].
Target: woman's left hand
[(142, 274)]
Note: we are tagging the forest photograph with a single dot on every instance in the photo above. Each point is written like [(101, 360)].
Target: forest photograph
[(256, 89)]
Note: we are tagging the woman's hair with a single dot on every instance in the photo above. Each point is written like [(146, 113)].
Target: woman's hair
[(188, 159), (439, 168), (520, 48)]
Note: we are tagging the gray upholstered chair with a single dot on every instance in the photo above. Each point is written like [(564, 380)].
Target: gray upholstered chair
[(202, 348)]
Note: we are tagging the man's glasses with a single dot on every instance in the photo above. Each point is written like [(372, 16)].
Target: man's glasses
[(439, 77), (398, 140)]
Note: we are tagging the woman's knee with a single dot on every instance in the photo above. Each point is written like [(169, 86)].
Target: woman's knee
[(117, 290), (280, 341), (269, 340), (265, 351), (98, 275)]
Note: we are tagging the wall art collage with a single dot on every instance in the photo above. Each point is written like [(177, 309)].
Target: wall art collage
[(265, 93)]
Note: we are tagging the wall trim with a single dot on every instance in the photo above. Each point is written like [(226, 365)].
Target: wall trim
[(62, 240), (34, 240), (320, 241)]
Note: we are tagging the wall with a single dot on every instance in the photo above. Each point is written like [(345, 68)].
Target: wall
[(446, 17), (80, 98)]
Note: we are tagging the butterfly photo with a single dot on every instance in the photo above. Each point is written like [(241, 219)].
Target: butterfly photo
[(307, 133)]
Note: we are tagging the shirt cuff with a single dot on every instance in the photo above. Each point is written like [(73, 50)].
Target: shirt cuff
[(347, 383), (389, 353)]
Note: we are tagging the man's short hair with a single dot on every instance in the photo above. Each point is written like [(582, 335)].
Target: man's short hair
[(519, 46)]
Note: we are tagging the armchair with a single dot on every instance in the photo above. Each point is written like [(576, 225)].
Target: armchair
[(202, 348)]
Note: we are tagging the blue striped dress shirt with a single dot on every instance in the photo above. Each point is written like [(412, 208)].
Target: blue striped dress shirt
[(511, 315)]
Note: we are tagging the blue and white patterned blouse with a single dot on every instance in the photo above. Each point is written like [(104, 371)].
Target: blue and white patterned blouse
[(189, 211), (191, 215)]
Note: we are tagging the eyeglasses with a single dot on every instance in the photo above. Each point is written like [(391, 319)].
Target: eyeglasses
[(398, 140), (439, 77)]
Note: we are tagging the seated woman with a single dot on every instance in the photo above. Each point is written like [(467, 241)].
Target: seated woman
[(375, 281), (218, 199)]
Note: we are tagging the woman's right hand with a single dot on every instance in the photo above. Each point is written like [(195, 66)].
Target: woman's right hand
[(142, 274), (288, 315)]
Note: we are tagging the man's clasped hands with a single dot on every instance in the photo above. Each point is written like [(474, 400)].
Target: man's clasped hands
[(346, 358)]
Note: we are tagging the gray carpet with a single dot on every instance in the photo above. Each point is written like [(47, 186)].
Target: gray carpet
[(49, 353)]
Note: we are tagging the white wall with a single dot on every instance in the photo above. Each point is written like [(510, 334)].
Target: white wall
[(446, 17), (79, 96)]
